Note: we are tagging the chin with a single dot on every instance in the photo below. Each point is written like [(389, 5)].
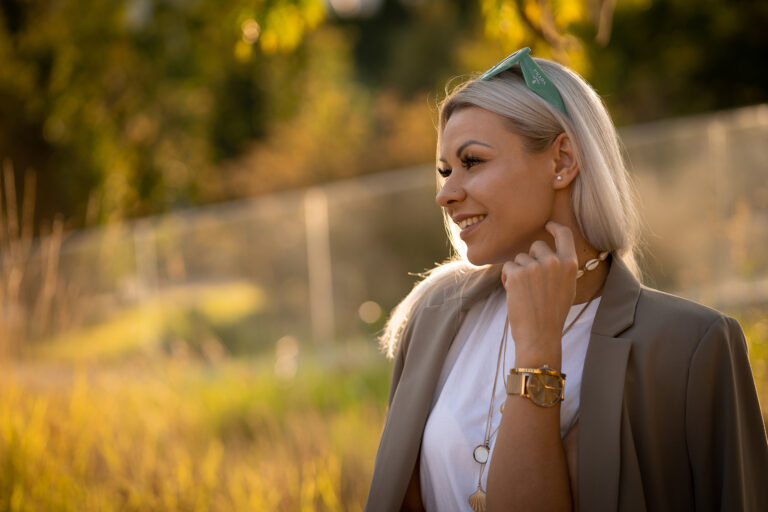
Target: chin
[(478, 259)]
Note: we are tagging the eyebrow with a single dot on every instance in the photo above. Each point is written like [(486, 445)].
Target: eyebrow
[(468, 143)]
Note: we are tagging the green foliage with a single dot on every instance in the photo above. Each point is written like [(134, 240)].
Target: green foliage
[(132, 107), (649, 58), (670, 58), (120, 99)]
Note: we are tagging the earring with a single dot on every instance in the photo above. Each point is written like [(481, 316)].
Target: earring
[(559, 178)]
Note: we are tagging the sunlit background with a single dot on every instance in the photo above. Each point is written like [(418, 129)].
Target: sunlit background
[(208, 208)]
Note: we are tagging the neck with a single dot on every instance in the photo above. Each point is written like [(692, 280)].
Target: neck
[(591, 283)]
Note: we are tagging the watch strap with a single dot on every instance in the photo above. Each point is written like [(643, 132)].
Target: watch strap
[(516, 384), (544, 370)]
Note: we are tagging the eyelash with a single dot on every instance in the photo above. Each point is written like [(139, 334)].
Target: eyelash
[(468, 162)]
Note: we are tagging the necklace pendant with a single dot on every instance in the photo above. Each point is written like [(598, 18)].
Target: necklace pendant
[(477, 500), (481, 453)]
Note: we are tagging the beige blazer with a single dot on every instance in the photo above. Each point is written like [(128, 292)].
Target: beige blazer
[(669, 416)]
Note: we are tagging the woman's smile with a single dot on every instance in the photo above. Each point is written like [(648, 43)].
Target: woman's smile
[(469, 225)]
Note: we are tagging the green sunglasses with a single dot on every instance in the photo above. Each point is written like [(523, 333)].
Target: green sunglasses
[(535, 77)]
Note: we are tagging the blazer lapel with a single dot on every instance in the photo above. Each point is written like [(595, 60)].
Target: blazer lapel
[(602, 388), (434, 330)]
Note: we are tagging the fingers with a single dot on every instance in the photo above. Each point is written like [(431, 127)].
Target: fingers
[(513, 271), (564, 246), (540, 255), (525, 263), (523, 259), (507, 271), (541, 251)]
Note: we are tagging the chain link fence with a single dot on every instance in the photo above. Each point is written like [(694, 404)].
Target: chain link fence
[(328, 263)]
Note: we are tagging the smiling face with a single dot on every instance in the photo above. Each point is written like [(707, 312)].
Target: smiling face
[(493, 179)]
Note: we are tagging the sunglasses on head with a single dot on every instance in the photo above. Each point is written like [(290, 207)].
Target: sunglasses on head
[(535, 77)]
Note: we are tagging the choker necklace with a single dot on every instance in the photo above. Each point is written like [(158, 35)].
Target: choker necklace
[(482, 452)]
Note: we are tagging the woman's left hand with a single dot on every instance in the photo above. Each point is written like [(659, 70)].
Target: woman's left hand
[(541, 286)]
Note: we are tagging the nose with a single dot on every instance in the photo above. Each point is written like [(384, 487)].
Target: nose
[(449, 193)]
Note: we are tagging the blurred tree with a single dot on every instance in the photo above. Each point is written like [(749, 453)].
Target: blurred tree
[(132, 107), (130, 102), (648, 58), (548, 25), (405, 50), (412, 46), (320, 134), (679, 57)]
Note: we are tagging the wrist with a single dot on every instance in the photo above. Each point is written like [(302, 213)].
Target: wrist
[(537, 357)]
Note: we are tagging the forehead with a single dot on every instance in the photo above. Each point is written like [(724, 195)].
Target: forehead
[(472, 122)]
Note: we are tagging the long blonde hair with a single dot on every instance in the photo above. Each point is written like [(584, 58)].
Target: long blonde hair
[(602, 195)]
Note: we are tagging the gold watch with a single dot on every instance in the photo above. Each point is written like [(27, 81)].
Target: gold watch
[(544, 386)]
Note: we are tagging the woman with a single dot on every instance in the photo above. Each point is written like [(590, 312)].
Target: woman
[(535, 372)]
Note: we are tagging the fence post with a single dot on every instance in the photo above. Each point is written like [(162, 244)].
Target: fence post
[(717, 134), (147, 275), (319, 264)]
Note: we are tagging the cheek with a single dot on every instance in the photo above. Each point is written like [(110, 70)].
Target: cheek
[(524, 195), (523, 211)]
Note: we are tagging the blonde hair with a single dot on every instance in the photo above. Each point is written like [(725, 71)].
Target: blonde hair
[(602, 195)]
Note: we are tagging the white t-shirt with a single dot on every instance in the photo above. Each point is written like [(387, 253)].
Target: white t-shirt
[(456, 424)]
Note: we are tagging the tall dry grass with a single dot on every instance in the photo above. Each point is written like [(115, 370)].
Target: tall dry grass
[(22, 316), (179, 434), (184, 436)]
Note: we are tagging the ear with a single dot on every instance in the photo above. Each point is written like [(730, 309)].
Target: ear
[(565, 162)]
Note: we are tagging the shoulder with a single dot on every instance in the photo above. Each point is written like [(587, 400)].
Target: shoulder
[(457, 279), (679, 324), (451, 290), (438, 285), (691, 398), (667, 310)]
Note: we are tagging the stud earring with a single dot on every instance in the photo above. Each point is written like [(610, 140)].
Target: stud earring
[(559, 178)]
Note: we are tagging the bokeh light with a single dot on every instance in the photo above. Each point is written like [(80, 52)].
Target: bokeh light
[(369, 311)]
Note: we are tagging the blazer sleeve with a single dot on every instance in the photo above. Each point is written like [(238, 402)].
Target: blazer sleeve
[(727, 446), (401, 353), (397, 370)]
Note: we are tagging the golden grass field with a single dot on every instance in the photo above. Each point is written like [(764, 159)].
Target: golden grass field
[(179, 433), (185, 435)]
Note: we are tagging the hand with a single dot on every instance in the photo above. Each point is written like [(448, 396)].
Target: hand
[(541, 286)]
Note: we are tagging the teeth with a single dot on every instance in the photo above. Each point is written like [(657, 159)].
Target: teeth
[(472, 220)]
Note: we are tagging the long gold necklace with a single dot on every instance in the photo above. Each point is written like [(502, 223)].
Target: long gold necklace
[(482, 452)]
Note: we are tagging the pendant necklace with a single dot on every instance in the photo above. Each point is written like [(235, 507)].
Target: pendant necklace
[(482, 452)]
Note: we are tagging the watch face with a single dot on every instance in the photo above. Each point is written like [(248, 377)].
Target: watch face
[(545, 390)]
